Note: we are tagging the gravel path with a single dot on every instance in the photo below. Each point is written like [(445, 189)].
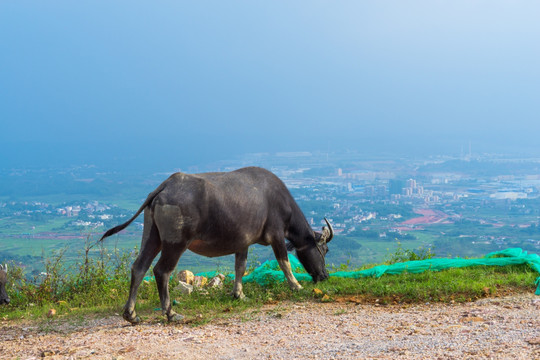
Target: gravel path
[(499, 328)]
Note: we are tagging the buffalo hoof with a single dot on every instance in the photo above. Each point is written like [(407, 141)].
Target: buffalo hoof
[(240, 296), (175, 318), (134, 320), (296, 287)]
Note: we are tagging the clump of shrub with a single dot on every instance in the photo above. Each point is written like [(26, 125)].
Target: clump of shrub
[(99, 277), (403, 255)]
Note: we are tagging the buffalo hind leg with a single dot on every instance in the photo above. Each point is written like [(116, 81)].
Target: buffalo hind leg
[(240, 263), (150, 247), (170, 254), (280, 250)]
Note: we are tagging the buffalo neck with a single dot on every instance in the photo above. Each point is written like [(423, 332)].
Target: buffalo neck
[(299, 232)]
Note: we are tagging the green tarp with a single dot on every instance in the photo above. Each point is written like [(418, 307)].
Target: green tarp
[(270, 271)]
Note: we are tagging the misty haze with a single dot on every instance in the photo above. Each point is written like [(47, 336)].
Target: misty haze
[(412, 127)]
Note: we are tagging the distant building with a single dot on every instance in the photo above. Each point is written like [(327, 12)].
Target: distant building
[(369, 191), (395, 186), (381, 191), (508, 195)]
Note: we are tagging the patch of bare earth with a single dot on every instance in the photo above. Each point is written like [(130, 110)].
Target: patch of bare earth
[(497, 328)]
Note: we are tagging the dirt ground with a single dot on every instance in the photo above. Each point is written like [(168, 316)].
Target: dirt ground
[(497, 328)]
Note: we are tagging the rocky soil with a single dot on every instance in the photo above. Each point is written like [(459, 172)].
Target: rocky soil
[(497, 328)]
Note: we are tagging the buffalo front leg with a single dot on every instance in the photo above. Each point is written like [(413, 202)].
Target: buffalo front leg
[(240, 263), (280, 250)]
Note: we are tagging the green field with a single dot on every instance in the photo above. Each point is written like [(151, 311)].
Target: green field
[(32, 253), (443, 240), (30, 238)]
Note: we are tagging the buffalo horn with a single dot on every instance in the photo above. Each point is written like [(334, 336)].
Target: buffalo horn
[(327, 232)]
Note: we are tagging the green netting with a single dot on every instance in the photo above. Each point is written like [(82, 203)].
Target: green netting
[(269, 271)]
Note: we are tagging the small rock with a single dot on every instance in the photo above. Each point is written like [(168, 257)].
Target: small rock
[(215, 282), (186, 276), (199, 281), (471, 319), (127, 350), (184, 288), (317, 292), (535, 341)]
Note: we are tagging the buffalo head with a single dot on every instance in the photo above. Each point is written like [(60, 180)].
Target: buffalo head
[(312, 254), (4, 298)]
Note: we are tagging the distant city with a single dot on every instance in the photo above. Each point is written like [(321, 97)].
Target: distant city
[(457, 206)]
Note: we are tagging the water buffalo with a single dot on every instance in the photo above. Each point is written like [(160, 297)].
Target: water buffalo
[(222, 213), (4, 298)]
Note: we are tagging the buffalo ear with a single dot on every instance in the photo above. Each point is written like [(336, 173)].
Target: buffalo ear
[(320, 238)]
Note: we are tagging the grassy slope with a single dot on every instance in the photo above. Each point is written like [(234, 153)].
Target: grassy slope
[(104, 296)]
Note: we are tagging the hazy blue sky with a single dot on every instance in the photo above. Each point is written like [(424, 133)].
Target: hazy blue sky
[(189, 81)]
